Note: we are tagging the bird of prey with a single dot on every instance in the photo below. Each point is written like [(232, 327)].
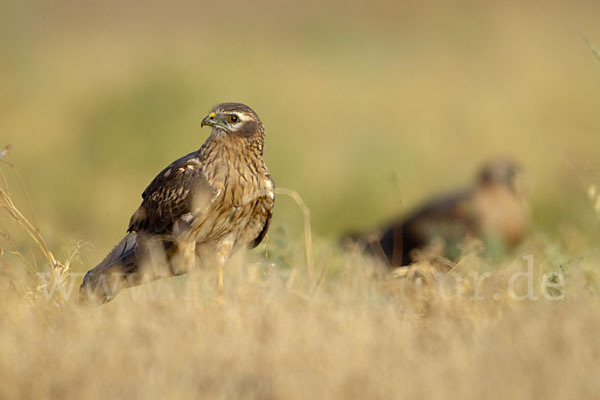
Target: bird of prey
[(493, 210), (197, 211)]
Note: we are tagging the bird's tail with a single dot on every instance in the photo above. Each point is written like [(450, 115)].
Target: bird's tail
[(115, 272)]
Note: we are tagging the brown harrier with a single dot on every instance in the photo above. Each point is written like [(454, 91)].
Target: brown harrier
[(198, 210), (492, 210)]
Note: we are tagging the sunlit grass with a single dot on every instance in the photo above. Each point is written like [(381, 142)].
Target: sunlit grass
[(293, 326)]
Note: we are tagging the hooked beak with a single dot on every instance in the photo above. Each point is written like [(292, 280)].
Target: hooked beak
[(209, 120)]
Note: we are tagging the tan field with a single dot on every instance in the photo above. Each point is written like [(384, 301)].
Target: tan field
[(369, 108)]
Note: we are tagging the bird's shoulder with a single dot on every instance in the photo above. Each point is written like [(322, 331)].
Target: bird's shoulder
[(169, 195), (180, 169)]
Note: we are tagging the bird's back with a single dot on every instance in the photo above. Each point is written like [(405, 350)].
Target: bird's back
[(447, 216)]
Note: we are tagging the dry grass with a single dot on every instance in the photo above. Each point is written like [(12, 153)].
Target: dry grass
[(466, 333), (358, 337)]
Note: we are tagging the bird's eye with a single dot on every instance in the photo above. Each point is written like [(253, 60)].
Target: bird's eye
[(233, 118)]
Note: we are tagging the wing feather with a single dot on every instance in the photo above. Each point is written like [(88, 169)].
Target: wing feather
[(170, 196)]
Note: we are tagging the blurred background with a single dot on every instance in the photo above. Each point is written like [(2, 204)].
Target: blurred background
[(370, 106)]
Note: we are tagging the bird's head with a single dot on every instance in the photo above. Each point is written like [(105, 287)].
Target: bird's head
[(503, 172), (234, 118)]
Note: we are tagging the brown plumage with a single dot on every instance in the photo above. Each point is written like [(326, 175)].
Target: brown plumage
[(493, 210), (197, 211)]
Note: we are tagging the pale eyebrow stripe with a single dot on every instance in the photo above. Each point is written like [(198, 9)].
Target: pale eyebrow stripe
[(243, 117)]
